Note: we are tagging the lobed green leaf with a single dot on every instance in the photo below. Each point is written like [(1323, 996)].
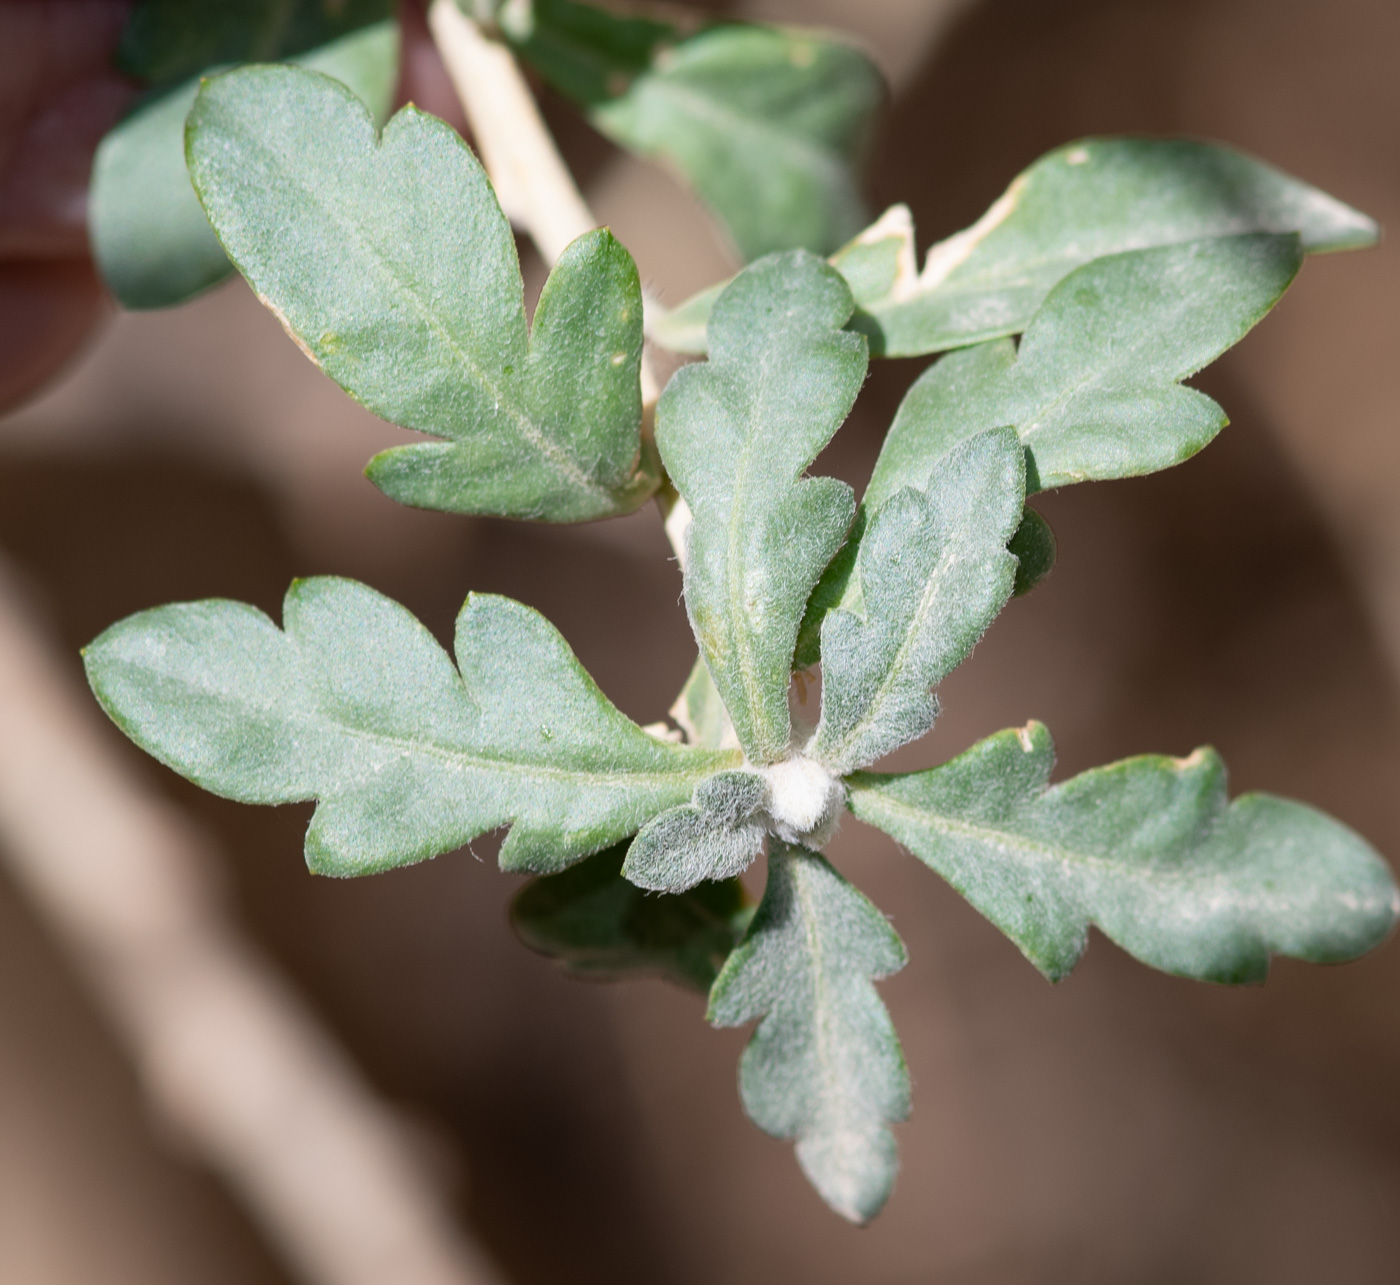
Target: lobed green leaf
[(355, 705), (1149, 849), (824, 1066), (767, 124), (933, 572), (736, 434), (1085, 200), (716, 835), (391, 264), (598, 925), (1094, 389), (150, 237)]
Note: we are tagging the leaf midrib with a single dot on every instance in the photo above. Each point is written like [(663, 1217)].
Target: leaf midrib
[(1013, 843), (563, 465), (464, 760), (823, 163)]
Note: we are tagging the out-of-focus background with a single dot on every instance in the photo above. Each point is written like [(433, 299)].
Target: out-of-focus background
[(1120, 1127)]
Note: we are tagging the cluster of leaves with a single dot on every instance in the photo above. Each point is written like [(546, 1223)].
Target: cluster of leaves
[(767, 124), (1123, 265)]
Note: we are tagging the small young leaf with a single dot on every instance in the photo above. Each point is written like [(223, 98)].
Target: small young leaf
[(600, 926), (1033, 547), (391, 263), (150, 236), (767, 124), (1080, 202), (736, 434), (1148, 849), (1094, 391), (934, 572), (356, 706), (824, 1066), (715, 836), (168, 41)]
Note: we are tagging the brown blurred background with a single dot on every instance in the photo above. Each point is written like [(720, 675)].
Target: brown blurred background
[(1122, 1127)]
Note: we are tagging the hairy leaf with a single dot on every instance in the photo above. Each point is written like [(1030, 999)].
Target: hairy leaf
[(1149, 849), (934, 572), (767, 124), (355, 705), (168, 41), (150, 236), (736, 434), (392, 265), (1088, 199), (1094, 391), (824, 1066), (715, 836), (598, 925)]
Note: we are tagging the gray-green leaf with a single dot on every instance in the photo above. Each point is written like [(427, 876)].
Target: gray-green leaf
[(1094, 389), (768, 125), (934, 571), (1149, 849), (736, 434), (598, 925), (150, 236), (715, 836), (1088, 199), (391, 264), (355, 705), (824, 1066)]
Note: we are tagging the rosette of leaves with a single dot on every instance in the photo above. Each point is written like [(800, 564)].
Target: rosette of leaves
[(637, 839)]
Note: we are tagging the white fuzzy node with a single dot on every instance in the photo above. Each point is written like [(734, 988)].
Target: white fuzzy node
[(804, 801)]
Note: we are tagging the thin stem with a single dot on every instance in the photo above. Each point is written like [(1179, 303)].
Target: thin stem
[(532, 183)]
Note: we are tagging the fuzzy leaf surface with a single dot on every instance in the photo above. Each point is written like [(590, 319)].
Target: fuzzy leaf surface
[(391, 264), (699, 711), (736, 434), (354, 704), (716, 835), (766, 124), (598, 925), (150, 236), (1094, 388), (824, 1066), (1149, 849), (934, 571), (1088, 199)]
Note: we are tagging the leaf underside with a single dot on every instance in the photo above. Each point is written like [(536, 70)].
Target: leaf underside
[(1148, 849), (824, 1066), (150, 237), (736, 434), (1080, 202), (598, 925), (390, 262), (355, 705)]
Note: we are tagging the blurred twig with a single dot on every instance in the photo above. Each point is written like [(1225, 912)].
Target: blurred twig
[(227, 1052)]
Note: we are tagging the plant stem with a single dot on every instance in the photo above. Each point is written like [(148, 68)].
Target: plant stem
[(532, 183)]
